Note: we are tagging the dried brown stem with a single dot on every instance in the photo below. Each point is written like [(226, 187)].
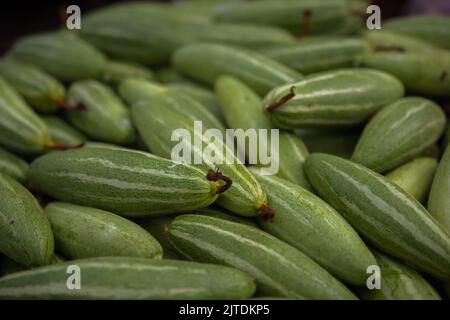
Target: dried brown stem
[(282, 101), (216, 176)]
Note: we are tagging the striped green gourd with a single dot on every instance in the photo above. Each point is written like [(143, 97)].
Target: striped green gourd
[(62, 133), (398, 133), (134, 91), (415, 70), (207, 61), (334, 98), (62, 54), (104, 116), (123, 181), (21, 129), (384, 40), (388, 217), (25, 233), (311, 225), (317, 54), (13, 166), (129, 278), (303, 17), (169, 133), (171, 75), (415, 177), (433, 29), (117, 71), (41, 91), (337, 142), (399, 282), (439, 200), (279, 269), (83, 232), (226, 215)]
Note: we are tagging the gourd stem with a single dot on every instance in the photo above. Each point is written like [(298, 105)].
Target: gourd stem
[(282, 101), (68, 106), (267, 213), (217, 175)]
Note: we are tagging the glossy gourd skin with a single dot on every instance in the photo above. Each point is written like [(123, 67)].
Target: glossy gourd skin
[(415, 177), (388, 217), (439, 202), (279, 269), (83, 232), (330, 99), (21, 129), (398, 133), (308, 223), (25, 233), (123, 278), (62, 54), (118, 70), (399, 282), (124, 181), (206, 62)]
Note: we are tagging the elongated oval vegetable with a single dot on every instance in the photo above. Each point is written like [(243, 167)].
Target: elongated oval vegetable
[(135, 90), (391, 219), (123, 181), (399, 282), (41, 91), (25, 233), (104, 116), (334, 98), (62, 54), (13, 166), (439, 202), (301, 17), (433, 29), (308, 223), (62, 133), (117, 71), (21, 129), (386, 41), (171, 75), (206, 62), (226, 215), (83, 232), (415, 177), (415, 70), (316, 54), (183, 103), (130, 278), (398, 133), (279, 269), (171, 134)]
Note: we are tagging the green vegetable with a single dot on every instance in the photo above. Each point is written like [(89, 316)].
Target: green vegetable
[(206, 62), (123, 181), (62, 133), (129, 278), (329, 99), (25, 233), (311, 225), (117, 71), (61, 54), (104, 116), (415, 177), (398, 133), (384, 214), (83, 232), (13, 166), (279, 269)]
